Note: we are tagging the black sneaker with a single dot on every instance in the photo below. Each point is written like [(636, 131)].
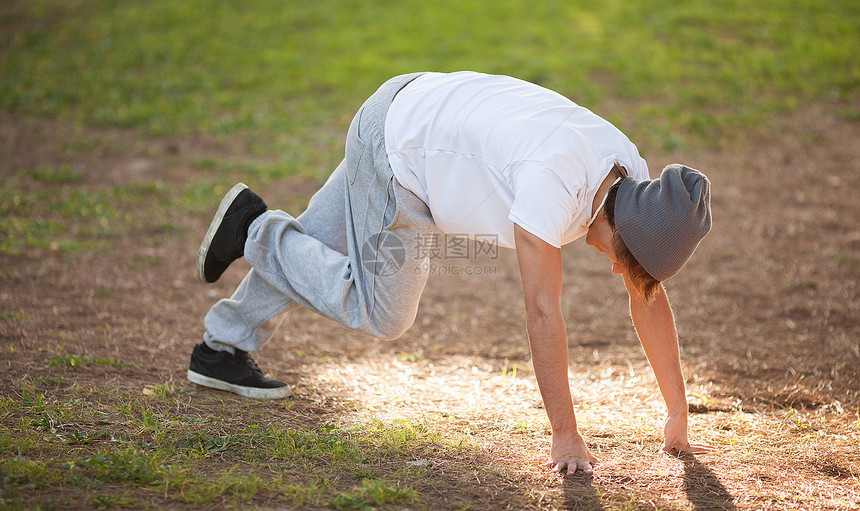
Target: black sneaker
[(237, 373), (225, 240)]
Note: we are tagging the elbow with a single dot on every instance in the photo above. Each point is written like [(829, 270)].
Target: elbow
[(543, 315)]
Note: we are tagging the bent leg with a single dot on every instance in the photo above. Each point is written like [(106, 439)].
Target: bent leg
[(375, 286), (250, 316), (401, 278), (370, 286), (333, 258)]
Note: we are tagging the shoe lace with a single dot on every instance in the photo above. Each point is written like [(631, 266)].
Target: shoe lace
[(249, 361)]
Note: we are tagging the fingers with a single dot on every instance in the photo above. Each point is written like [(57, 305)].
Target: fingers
[(556, 466), (580, 465), (569, 467), (702, 448), (689, 448)]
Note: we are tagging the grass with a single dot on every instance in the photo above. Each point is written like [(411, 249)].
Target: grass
[(91, 445), (283, 79), (19, 318), (286, 78), (75, 361), (79, 448), (48, 209)]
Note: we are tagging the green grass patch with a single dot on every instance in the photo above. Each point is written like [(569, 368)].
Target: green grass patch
[(18, 318), (62, 175), (124, 448), (333, 444), (286, 79), (282, 75), (76, 361), (61, 216), (372, 493), (126, 465)]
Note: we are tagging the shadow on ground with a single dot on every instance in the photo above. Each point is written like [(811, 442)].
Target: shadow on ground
[(702, 487)]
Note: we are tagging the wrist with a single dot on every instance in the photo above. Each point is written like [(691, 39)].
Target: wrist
[(677, 406), (566, 439), (565, 428), (678, 412)]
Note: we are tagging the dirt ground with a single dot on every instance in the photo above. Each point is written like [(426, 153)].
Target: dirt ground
[(767, 312)]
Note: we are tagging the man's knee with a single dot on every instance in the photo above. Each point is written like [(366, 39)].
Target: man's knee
[(391, 328)]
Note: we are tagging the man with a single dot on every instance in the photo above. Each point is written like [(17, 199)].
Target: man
[(481, 156)]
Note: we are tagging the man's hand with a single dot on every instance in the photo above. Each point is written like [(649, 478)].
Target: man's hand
[(676, 440), (655, 325), (570, 453), (540, 268)]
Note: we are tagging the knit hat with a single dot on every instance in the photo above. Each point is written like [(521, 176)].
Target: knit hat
[(663, 220)]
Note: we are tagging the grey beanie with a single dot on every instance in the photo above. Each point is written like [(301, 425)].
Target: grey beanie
[(663, 220)]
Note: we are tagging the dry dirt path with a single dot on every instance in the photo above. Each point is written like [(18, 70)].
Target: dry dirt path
[(767, 312)]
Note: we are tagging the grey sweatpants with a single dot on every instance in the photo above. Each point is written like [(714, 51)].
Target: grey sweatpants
[(354, 256)]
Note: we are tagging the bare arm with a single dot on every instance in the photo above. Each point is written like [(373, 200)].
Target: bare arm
[(655, 324), (540, 268)]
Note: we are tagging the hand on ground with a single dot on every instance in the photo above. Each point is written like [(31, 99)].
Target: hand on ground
[(690, 448), (569, 454), (676, 438)]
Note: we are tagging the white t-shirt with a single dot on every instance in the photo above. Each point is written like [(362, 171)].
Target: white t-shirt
[(485, 152)]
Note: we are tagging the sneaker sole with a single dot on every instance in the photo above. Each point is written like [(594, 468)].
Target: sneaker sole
[(252, 392), (213, 228)]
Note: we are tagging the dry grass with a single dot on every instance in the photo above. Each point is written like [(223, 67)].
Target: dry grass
[(773, 459), (450, 412)]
